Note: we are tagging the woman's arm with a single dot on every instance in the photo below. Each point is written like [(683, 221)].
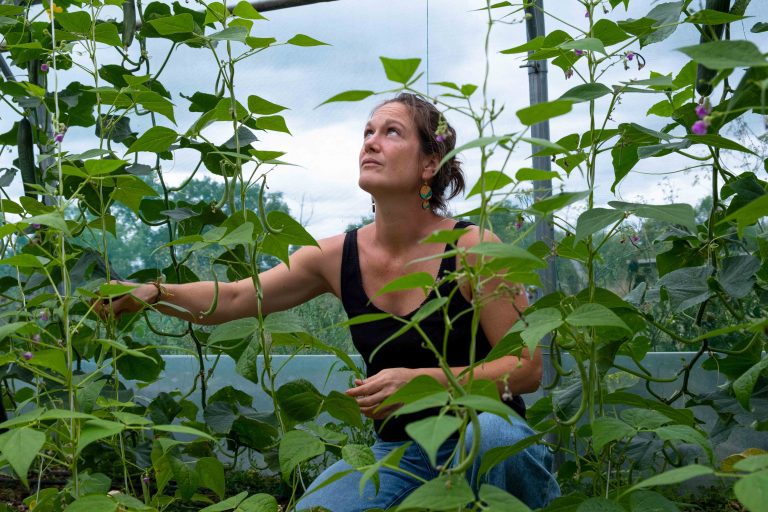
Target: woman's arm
[(500, 303), (309, 275)]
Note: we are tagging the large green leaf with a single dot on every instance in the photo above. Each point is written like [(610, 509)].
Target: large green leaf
[(93, 503), (752, 491), (344, 408), (588, 43), (749, 214), (649, 501), (490, 181), (543, 111), (501, 453), (419, 388), (737, 274), (585, 92), (554, 203), (259, 106), (607, 429), (446, 492), (432, 432), (349, 96), (20, 446), (673, 476), (297, 446), (686, 434), (358, 455), (498, 500), (687, 287), (305, 40), (211, 473), (178, 24), (186, 477), (592, 221), (682, 214), (744, 384), (299, 400), (400, 70), (407, 282), (156, 140), (595, 315), (666, 16), (726, 54), (94, 430), (536, 325)]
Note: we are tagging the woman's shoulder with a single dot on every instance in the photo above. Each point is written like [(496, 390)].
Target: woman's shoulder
[(474, 236)]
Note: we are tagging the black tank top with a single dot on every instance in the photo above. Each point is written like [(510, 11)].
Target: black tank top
[(406, 351)]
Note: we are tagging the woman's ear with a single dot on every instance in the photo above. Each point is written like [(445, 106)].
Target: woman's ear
[(430, 167)]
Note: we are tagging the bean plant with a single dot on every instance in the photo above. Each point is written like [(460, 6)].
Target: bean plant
[(70, 388)]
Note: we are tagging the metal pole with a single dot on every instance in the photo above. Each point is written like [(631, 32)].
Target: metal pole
[(537, 83)]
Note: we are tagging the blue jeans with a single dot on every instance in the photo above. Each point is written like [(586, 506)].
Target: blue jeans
[(526, 475)]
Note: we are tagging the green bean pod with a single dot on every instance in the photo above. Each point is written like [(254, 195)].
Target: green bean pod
[(704, 75), (129, 22), (27, 157)]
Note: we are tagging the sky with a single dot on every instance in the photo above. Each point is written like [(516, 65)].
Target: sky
[(448, 35)]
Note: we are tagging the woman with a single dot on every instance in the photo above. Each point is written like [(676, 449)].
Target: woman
[(403, 143)]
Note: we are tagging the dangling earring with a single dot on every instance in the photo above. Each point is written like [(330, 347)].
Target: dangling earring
[(425, 193), (373, 205)]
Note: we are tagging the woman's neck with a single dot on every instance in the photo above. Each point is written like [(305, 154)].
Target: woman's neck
[(398, 227)]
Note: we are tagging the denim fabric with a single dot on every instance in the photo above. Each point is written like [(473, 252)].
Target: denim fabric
[(526, 475)]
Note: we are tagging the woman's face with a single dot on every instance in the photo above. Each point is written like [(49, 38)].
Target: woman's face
[(391, 159)]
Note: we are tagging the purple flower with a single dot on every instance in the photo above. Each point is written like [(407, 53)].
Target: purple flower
[(586, 14), (699, 127), (440, 138), (44, 67), (518, 225), (630, 55), (58, 137), (35, 225), (36, 338), (145, 480), (568, 73), (635, 239), (703, 110), (578, 52), (44, 316), (27, 356)]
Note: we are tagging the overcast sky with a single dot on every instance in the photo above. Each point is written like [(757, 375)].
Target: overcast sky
[(448, 36)]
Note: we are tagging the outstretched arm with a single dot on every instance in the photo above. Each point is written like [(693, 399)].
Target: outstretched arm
[(282, 287)]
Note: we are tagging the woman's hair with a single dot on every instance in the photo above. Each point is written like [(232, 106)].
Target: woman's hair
[(437, 137)]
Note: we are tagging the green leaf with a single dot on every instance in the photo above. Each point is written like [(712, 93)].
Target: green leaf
[(507, 254), (588, 43), (536, 325), (687, 287), (607, 429), (246, 10), (50, 358), (344, 408), (608, 32), (543, 111), (477, 143), (673, 476), (743, 386), (400, 70), (260, 106), (54, 220), (20, 446), (302, 40), (93, 503), (737, 274), (23, 261), (528, 174), (97, 429), (719, 55), (299, 400), (595, 315), (77, 22), (228, 504), (501, 453), (718, 141), (759, 27), (585, 92), (687, 435), (230, 34), (355, 95), (186, 478), (748, 214), (712, 17), (490, 181), (649, 501), (155, 140), (752, 491), (261, 502), (534, 44), (419, 388), (682, 214), (598, 505), (446, 492), (592, 221), (487, 404), (432, 432), (211, 473), (272, 123), (666, 16), (297, 446), (498, 500), (178, 24), (407, 282), (99, 167), (357, 455), (554, 203)]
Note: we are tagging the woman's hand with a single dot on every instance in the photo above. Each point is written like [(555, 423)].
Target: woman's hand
[(131, 302), (371, 392)]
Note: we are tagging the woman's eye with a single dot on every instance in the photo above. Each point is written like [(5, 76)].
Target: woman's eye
[(393, 130), (367, 133)]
